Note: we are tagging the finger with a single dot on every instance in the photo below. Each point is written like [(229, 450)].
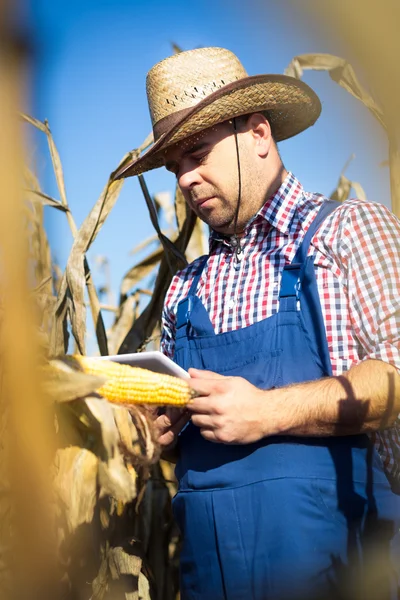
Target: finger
[(205, 387), (174, 414), (163, 422), (201, 405), (168, 435), (170, 418), (202, 374), (181, 422), (167, 438), (209, 435), (153, 411), (203, 422)]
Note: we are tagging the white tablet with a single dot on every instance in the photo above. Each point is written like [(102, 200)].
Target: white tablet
[(154, 361)]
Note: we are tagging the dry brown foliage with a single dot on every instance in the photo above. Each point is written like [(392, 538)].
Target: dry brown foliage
[(109, 532)]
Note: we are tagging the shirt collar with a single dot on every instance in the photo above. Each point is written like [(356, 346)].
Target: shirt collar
[(278, 210)]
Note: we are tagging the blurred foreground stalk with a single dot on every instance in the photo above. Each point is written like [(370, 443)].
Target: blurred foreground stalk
[(27, 541), (367, 32)]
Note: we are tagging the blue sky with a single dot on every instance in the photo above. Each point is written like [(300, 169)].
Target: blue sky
[(91, 62)]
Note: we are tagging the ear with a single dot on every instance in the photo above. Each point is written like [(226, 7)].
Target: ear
[(260, 130)]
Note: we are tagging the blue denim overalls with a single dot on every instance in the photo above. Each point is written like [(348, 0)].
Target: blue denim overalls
[(286, 517)]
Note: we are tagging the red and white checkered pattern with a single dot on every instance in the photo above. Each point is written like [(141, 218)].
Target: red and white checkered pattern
[(358, 251)]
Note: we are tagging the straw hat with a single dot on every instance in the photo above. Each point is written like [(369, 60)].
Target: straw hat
[(194, 90)]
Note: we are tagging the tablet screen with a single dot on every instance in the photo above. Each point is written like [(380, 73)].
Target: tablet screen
[(153, 360)]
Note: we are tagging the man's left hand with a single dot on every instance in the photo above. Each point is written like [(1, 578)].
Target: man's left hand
[(228, 410)]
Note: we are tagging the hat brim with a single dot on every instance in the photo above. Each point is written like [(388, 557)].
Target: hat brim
[(291, 104)]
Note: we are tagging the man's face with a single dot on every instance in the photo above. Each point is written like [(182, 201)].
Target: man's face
[(206, 169)]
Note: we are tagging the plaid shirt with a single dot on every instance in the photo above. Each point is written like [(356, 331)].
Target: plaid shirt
[(357, 251)]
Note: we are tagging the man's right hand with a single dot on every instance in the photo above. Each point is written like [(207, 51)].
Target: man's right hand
[(169, 425)]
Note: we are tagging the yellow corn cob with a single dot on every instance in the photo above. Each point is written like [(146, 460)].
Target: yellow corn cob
[(132, 385)]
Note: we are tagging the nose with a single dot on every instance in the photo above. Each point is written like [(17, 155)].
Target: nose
[(188, 176)]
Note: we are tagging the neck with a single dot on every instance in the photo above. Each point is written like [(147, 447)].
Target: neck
[(275, 183), (272, 186)]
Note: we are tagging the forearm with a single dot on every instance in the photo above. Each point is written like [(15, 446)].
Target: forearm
[(362, 400)]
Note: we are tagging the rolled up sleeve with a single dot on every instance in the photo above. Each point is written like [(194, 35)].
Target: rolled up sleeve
[(371, 250)]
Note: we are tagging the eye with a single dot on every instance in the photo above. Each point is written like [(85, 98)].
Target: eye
[(199, 158)]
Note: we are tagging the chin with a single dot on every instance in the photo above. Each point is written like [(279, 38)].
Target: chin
[(220, 225), (225, 229)]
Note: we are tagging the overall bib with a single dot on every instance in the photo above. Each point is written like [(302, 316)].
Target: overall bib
[(286, 517)]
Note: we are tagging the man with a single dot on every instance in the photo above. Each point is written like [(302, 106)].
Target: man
[(289, 329)]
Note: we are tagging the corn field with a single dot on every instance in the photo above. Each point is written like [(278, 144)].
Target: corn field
[(85, 509)]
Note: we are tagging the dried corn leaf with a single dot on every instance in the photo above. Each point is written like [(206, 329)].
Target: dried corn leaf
[(39, 246), (41, 256), (57, 166), (168, 474), (72, 426), (75, 271), (70, 306), (360, 194), (42, 285), (135, 153), (96, 218), (142, 245), (63, 384), (34, 122), (124, 560), (102, 412), (198, 244), (120, 574), (129, 156), (57, 276), (123, 324), (344, 186), (144, 587), (142, 424), (30, 179), (76, 484), (140, 271), (100, 583), (95, 307), (173, 255), (39, 198), (114, 479), (74, 280), (127, 431), (342, 190), (181, 209), (341, 72), (46, 302), (164, 202), (59, 336), (144, 326)]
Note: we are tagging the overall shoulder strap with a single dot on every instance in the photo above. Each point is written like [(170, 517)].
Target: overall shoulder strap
[(185, 305), (326, 208), (291, 273), (196, 279), (299, 283)]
